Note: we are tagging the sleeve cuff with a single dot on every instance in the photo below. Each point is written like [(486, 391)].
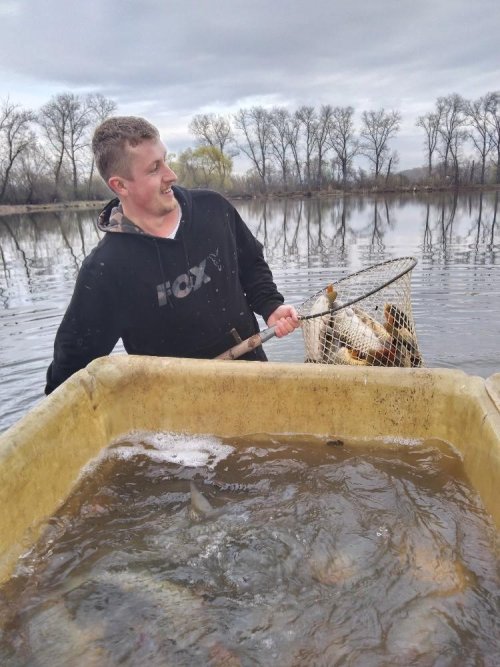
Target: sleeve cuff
[(269, 308)]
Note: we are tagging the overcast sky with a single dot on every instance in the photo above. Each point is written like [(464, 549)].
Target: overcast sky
[(170, 60)]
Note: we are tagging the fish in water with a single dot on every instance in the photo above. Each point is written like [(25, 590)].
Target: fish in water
[(200, 506), (423, 634), (124, 615)]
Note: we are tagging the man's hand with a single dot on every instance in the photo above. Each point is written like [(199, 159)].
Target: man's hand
[(284, 319)]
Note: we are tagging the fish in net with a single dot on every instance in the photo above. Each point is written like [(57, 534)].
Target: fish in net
[(364, 319)]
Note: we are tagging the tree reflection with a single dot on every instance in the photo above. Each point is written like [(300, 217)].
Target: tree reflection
[(427, 243), (494, 221), (20, 252), (313, 231), (46, 246)]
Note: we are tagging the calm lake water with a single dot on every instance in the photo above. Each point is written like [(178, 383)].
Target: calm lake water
[(308, 243)]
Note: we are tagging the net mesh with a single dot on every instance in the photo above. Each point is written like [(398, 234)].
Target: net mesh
[(364, 319)]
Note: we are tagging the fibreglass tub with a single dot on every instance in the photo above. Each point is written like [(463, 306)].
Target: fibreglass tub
[(41, 456)]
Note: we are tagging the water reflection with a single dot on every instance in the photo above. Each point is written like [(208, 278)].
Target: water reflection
[(308, 242)]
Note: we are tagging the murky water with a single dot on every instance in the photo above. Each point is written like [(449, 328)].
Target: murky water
[(456, 285), (313, 552)]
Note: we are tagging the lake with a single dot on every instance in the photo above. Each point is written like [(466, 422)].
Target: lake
[(308, 243)]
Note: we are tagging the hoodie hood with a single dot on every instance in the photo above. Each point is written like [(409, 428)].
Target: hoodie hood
[(112, 219)]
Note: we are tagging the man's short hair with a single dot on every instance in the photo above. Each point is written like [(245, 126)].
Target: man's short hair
[(111, 139)]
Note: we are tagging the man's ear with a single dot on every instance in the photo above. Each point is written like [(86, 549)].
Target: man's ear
[(117, 184)]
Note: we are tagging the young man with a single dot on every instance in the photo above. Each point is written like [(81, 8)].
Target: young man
[(177, 272)]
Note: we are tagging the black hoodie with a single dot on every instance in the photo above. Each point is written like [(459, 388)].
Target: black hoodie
[(177, 297)]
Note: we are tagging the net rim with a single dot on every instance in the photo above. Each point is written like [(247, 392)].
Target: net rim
[(412, 263)]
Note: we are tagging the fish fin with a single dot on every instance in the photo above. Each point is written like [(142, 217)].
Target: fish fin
[(200, 506)]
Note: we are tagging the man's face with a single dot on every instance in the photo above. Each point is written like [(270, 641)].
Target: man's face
[(149, 186)]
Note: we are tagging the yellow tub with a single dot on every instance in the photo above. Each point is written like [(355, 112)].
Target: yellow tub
[(42, 455)]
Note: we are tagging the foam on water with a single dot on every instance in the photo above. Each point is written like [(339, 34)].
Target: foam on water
[(395, 442), (191, 451)]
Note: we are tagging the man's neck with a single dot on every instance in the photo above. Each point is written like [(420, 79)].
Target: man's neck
[(161, 226)]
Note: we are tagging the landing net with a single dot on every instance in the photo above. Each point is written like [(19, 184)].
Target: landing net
[(364, 319)]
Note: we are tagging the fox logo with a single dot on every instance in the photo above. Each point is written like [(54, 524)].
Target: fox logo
[(183, 285)]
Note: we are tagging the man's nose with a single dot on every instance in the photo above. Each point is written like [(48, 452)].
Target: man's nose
[(168, 173)]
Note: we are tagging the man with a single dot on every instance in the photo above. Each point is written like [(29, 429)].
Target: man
[(177, 272)]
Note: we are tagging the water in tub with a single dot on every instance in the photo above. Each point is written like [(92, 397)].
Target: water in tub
[(182, 550)]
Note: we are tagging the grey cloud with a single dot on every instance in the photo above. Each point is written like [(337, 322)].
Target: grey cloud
[(172, 59)]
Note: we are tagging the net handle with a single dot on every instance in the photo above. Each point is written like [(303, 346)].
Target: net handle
[(264, 335), (248, 344)]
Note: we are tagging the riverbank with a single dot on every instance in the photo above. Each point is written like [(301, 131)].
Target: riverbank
[(367, 191), (297, 194), (14, 209)]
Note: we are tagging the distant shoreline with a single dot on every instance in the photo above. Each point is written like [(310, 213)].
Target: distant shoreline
[(13, 209)]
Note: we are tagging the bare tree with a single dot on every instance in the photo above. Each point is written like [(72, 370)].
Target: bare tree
[(430, 124), (79, 120), (308, 123), (480, 116), (495, 131), (100, 108), (392, 161), (16, 136), (342, 139), (255, 125), (451, 131), (54, 121), (377, 129), (294, 141), (33, 174), (323, 131), (279, 139), (64, 120)]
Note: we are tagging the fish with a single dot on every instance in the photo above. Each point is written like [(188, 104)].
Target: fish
[(315, 329), (398, 325), (367, 342), (331, 563), (109, 616), (200, 506), (349, 336), (444, 574), (52, 636), (422, 634), (349, 357), (357, 330), (199, 525), (389, 355), (395, 317)]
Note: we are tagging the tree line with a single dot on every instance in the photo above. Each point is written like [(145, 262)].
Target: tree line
[(45, 155), (316, 149)]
